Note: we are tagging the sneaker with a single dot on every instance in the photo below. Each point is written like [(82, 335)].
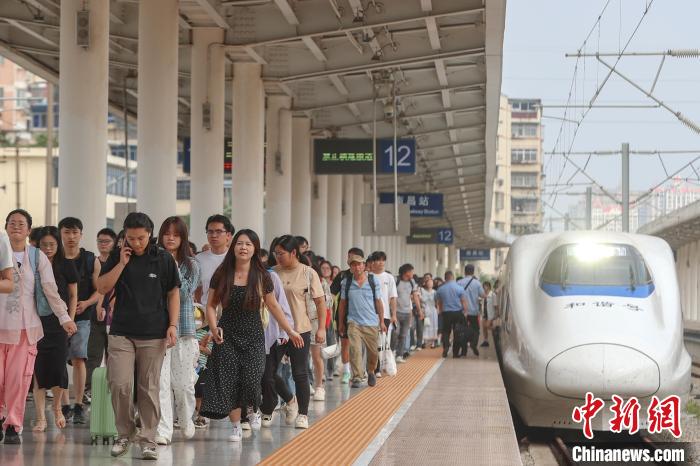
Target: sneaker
[(176, 424), (406, 355), (11, 436), (320, 394), (78, 415), (356, 383), (412, 348), (476, 351), (67, 413), (485, 344), (420, 348), (378, 374), (189, 430), (149, 452), (302, 422), (160, 440), (245, 425), (49, 395), (312, 390), (200, 423), (120, 447), (267, 419), (292, 412), (346, 378), (87, 397), (254, 420), (444, 353), (400, 359), (371, 380), (236, 435)]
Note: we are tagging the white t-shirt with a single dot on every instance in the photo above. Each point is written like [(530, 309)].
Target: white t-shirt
[(208, 263), (387, 284), (5, 252)]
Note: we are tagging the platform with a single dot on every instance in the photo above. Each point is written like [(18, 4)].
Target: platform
[(435, 411)]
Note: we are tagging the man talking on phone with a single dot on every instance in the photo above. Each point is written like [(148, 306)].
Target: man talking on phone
[(146, 284)]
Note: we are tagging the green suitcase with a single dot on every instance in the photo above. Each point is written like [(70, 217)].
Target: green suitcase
[(101, 413)]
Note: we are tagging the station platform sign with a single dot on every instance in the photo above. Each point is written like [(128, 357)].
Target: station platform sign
[(430, 236), (355, 157), (474, 254), (421, 204)]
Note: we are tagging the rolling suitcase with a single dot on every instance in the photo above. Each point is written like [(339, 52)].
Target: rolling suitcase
[(101, 412)]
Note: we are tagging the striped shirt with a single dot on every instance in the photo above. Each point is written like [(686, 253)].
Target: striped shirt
[(202, 361), (189, 282)]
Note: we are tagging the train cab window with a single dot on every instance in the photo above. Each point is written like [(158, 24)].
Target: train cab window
[(596, 269)]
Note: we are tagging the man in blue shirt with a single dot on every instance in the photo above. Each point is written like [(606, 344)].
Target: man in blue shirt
[(361, 299), (473, 289), (452, 305)]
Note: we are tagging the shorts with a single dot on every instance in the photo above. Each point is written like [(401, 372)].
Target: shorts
[(78, 343), (199, 385)]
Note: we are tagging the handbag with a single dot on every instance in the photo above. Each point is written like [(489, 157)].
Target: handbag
[(386, 356), (43, 308), (331, 351), (427, 322), (264, 311)]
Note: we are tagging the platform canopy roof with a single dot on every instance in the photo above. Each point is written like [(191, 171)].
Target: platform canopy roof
[(330, 56)]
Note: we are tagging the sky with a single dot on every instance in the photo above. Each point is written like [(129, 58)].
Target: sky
[(539, 33)]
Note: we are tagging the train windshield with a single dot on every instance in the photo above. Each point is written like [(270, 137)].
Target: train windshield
[(596, 269)]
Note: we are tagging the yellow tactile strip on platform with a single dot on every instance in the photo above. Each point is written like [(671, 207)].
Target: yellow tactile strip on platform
[(340, 437)]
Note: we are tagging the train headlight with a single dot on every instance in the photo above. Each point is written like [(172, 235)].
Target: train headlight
[(592, 252)]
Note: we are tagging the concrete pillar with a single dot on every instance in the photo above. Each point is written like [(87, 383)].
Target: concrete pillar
[(431, 255), (452, 264), (348, 210), (83, 122), (247, 172), (319, 207), (442, 260), (301, 176), (359, 191), (335, 204), (278, 167), (157, 108), (207, 86)]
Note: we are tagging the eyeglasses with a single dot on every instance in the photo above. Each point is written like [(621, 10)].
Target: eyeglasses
[(216, 232), (104, 241)]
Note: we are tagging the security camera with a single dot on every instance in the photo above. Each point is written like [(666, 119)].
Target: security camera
[(388, 111)]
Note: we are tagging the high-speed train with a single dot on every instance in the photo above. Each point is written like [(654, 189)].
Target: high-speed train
[(590, 312)]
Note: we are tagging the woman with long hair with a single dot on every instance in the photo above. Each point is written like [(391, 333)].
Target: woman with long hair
[(325, 270), (307, 301), (50, 366), (427, 300), (20, 325), (235, 368), (177, 374)]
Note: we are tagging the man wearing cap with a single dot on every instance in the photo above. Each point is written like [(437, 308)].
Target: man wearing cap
[(361, 300)]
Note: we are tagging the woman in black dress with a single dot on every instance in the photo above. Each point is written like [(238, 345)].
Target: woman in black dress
[(50, 366), (237, 362)]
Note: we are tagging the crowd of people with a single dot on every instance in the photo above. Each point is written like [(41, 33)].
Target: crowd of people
[(234, 331)]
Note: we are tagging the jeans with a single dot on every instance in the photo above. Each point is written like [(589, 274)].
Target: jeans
[(473, 322), (299, 358), (400, 338), (417, 330)]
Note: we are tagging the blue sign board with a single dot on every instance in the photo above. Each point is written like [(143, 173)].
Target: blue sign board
[(474, 254), (354, 156), (430, 236), (421, 204), (406, 148)]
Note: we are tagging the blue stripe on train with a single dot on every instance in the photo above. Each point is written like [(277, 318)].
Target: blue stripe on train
[(640, 291)]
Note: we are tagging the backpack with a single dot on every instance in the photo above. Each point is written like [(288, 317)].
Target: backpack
[(370, 279), (85, 270), (42, 304)]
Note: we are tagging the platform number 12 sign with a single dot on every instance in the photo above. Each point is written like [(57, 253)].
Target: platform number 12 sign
[(406, 150), (445, 236)]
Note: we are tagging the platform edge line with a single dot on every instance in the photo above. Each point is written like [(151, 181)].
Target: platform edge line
[(376, 444)]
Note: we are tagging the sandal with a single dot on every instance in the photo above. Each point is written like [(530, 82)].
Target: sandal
[(60, 420), (39, 425)]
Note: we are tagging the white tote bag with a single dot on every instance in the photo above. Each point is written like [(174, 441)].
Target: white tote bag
[(386, 356), (331, 351)]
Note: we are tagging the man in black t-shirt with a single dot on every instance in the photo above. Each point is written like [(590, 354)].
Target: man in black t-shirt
[(146, 284), (88, 267)]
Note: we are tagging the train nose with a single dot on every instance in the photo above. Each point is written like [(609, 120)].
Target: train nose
[(604, 370)]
